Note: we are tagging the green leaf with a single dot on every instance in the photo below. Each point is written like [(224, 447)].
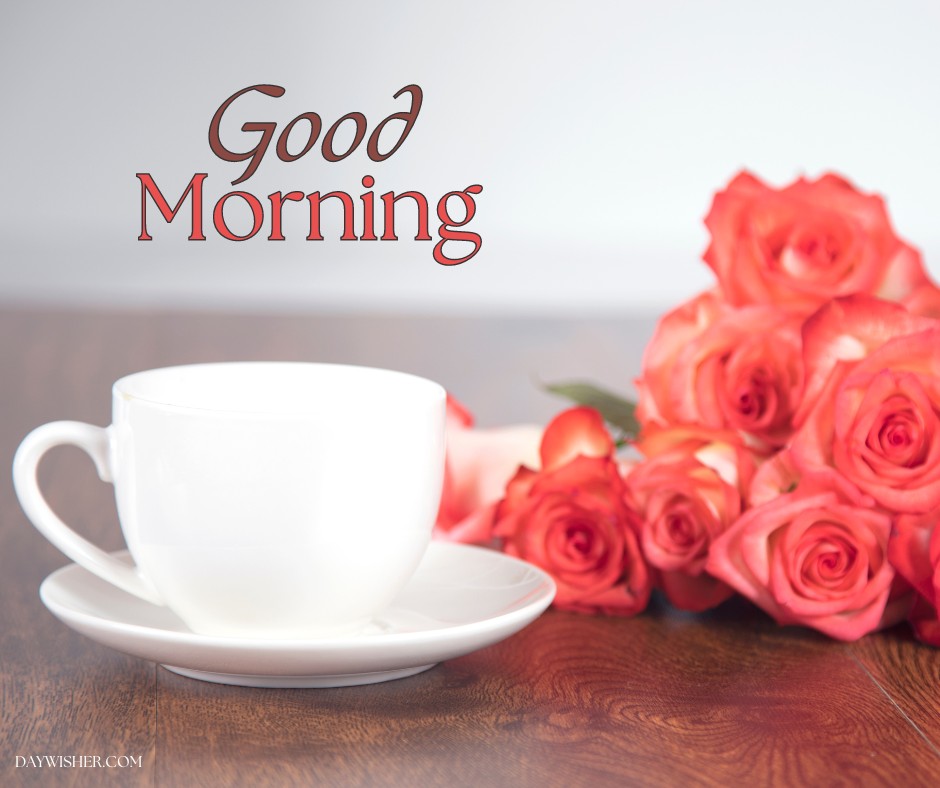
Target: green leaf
[(616, 410)]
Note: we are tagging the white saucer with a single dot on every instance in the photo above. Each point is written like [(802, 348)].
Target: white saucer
[(461, 599)]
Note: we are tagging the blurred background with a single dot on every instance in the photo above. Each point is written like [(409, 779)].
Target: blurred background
[(598, 130)]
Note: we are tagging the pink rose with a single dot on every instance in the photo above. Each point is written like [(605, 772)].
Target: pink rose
[(873, 394), (724, 368), (806, 243), (914, 551), (479, 464), (843, 332), (571, 519), (687, 492), (816, 557)]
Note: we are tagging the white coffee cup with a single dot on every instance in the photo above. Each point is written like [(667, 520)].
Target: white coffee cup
[(259, 500)]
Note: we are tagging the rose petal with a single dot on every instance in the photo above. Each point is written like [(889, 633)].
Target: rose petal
[(695, 593), (576, 431), (478, 465), (909, 551)]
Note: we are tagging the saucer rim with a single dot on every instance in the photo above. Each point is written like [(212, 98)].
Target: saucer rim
[(529, 607)]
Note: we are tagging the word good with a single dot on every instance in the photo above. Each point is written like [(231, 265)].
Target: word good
[(267, 129)]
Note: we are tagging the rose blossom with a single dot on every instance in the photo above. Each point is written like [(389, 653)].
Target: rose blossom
[(873, 400), (914, 551), (723, 368), (688, 492), (816, 557), (802, 245), (572, 519), (674, 331), (845, 331), (478, 466)]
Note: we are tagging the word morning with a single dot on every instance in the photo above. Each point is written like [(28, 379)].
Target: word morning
[(241, 215)]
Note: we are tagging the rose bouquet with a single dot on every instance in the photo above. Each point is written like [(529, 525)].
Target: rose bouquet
[(785, 444)]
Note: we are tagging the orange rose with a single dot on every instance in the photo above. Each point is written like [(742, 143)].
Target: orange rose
[(816, 557), (804, 244), (873, 395), (571, 519), (688, 492), (724, 368), (674, 332)]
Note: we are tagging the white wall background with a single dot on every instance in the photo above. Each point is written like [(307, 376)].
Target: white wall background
[(599, 131)]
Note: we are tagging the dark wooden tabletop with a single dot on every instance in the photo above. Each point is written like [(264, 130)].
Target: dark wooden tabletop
[(725, 698)]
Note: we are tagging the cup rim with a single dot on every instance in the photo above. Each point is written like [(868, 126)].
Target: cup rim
[(121, 388)]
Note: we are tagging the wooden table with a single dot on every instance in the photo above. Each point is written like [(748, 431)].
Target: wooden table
[(725, 698)]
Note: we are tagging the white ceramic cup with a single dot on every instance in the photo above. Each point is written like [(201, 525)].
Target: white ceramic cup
[(260, 500)]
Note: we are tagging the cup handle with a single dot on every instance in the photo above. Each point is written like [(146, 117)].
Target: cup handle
[(95, 441)]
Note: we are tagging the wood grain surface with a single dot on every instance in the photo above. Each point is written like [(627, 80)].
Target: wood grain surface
[(724, 698)]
